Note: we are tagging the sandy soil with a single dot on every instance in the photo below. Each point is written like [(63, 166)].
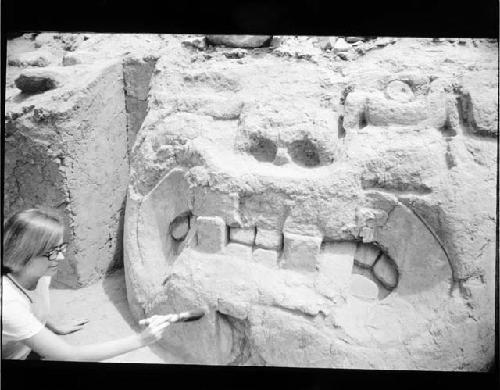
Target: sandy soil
[(104, 304)]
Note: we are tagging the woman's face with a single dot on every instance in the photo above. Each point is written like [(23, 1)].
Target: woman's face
[(41, 266)]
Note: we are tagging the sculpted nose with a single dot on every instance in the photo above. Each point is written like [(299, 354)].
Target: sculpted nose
[(282, 157)]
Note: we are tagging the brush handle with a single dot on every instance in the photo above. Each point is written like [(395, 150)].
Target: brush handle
[(192, 315), (188, 316)]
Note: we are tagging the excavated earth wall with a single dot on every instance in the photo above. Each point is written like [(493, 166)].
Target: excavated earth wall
[(328, 202), (73, 104)]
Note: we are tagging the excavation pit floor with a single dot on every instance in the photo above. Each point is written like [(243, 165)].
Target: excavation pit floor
[(104, 304)]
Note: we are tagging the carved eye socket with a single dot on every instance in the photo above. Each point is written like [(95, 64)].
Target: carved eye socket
[(179, 227), (304, 153), (263, 149)]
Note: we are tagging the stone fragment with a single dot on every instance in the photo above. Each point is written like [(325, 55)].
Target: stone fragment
[(235, 53), (71, 59), (275, 42), (354, 39), (479, 103), (179, 227), (266, 257), (385, 271), (366, 254), (212, 234), (384, 41), (364, 288), (196, 42), (324, 43), (37, 80), (44, 39), (341, 46), (269, 239), (301, 252), (244, 41), (239, 251), (78, 57), (39, 58), (242, 235)]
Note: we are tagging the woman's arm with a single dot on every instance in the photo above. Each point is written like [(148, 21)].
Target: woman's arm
[(53, 347), (65, 328)]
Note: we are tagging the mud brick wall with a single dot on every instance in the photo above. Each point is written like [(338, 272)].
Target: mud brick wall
[(67, 150)]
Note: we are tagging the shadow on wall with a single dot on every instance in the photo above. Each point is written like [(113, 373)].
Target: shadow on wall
[(117, 262)]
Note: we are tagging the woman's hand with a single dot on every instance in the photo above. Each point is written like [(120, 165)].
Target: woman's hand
[(155, 327), (67, 327)]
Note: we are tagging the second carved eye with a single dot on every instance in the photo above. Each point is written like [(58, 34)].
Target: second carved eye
[(304, 153), (263, 149)]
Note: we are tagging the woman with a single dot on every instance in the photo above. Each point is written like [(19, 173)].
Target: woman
[(33, 246)]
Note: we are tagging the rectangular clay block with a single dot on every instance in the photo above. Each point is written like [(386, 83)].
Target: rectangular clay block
[(212, 234), (301, 252), (267, 257), (366, 254), (268, 239), (242, 235)]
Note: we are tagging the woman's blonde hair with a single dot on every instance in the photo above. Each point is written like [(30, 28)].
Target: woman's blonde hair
[(28, 234)]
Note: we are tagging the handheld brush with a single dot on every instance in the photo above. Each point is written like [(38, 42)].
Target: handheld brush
[(188, 316), (185, 316)]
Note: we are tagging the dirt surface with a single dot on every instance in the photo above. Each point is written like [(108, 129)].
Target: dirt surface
[(104, 304)]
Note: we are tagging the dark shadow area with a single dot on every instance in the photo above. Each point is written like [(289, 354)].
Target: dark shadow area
[(340, 126), (304, 153), (263, 149), (362, 120), (117, 262)]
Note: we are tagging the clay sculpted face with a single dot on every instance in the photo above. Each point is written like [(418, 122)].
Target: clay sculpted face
[(278, 220), (307, 232)]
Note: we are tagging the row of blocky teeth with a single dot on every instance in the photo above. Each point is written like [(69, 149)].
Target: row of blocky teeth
[(271, 246), (262, 245), (293, 251)]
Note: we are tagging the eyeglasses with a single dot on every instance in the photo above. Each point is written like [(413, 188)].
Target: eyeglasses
[(54, 252)]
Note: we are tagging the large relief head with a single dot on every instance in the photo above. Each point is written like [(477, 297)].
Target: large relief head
[(314, 212)]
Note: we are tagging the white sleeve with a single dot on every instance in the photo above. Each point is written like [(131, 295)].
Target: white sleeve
[(18, 323)]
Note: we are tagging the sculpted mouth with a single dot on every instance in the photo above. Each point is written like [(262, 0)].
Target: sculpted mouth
[(374, 273)]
